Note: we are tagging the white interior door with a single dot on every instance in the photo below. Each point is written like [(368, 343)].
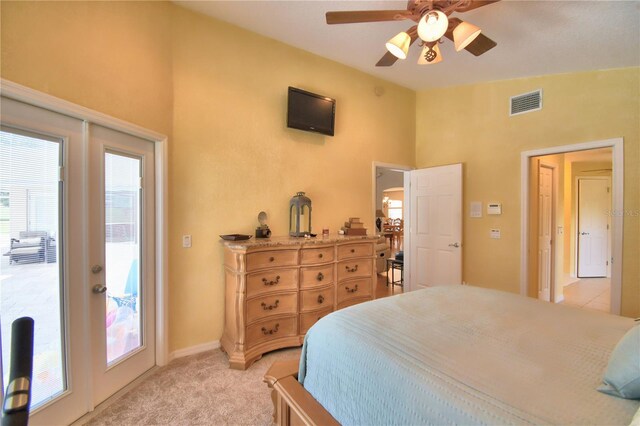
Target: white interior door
[(594, 200), (435, 226), (545, 231), (122, 259)]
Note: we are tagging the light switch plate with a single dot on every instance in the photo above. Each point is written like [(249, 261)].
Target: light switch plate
[(495, 234), (476, 209), (186, 241)]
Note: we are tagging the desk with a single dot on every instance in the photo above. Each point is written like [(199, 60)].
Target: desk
[(394, 265)]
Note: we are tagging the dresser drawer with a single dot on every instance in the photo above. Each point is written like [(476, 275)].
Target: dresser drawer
[(271, 259), (354, 268), (315, 276), (272, 329), (316, 299), (310, 318), (267, 281), (270, 305), (354, 289), (311, 256), (348, 251)]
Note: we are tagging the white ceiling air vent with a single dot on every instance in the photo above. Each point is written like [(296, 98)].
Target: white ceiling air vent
[(526, 102)]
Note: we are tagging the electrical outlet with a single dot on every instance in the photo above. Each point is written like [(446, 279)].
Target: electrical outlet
[(495, 234), (186, 241)]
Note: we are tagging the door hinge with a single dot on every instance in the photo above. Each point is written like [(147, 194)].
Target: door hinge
[(61, 174), (141, 179), (607, 226), (607, 263), (608, 189), (612, 260)]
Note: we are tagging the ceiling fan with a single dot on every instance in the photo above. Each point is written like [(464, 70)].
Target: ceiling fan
[(433, 23)]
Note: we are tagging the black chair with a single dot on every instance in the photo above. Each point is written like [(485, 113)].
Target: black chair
[(17, 398)]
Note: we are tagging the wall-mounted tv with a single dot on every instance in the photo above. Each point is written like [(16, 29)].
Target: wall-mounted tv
[(311, 112)]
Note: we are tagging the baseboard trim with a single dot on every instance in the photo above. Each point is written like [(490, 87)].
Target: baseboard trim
[(192, 350), (559, 299)]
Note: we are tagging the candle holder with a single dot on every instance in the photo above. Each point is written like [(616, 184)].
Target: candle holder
[(299, 215)]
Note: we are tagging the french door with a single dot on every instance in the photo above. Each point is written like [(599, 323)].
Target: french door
[(76, 238)]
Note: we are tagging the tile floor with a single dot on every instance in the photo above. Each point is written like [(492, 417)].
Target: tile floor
[(590, 293)]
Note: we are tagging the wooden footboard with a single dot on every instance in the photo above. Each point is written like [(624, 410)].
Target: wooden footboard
[(293, 405)]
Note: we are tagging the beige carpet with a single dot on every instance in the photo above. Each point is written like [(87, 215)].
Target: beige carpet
[(199, 389)]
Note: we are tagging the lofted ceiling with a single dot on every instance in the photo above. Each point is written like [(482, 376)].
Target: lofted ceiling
[(534, 37)]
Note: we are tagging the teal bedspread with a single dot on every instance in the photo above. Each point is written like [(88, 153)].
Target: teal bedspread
[(463, 355)]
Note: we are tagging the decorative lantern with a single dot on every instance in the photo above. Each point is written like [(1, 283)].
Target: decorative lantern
[(299, 215)]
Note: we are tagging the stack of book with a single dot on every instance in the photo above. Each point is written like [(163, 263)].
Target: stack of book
[(354, 227)]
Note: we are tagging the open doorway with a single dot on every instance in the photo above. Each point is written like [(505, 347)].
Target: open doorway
[(389, 206), (570, 229), (389, 211)]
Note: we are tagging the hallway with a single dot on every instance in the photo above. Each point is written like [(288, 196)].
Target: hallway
[(590, 293)]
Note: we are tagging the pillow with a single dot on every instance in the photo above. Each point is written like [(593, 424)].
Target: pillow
[(28, 242), (622, 377)]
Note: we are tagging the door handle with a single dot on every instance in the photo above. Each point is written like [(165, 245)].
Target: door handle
[(456, 245), (584, 233), (99, 289)]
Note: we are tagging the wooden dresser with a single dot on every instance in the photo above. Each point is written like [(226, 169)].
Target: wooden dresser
[(277, 288)]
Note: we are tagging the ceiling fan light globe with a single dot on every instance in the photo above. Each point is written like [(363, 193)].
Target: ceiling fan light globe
[(433, 25), (464, 34), (398, 46), (422, 59)]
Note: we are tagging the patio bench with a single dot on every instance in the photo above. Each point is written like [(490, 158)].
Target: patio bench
[(30, 246)]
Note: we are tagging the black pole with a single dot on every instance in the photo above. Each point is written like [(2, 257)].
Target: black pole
[(17, 398)]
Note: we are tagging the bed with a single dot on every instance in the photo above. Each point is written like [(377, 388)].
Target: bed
[(454, 355)]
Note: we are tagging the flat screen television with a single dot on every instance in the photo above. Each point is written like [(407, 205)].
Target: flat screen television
[(311, 112)]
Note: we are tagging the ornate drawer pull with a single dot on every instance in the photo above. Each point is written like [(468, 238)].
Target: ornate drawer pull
[(271, 259), (320, 299), (270, 307), (272, 331), (272, 282), (320, 255), (320, 276), (354, 269), (352, 290)]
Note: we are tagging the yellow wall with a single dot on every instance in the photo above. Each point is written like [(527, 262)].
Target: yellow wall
[(114, 57), (471, 124), (233, 156)]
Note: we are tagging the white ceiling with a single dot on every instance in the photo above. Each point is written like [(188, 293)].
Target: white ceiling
[(534, 37)]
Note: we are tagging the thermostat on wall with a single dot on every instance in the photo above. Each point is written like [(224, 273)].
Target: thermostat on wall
[(494, 208)]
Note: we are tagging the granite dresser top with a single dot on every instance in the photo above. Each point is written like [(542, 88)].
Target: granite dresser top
[(302, 241)]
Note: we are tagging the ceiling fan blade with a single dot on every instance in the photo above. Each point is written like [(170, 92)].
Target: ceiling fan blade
[(476, 4), (355, 16), (477, 47), (388, 58), (480, 45)]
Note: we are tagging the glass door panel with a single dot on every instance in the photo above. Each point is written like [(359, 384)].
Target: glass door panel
[(31, 278), (122, 254)]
